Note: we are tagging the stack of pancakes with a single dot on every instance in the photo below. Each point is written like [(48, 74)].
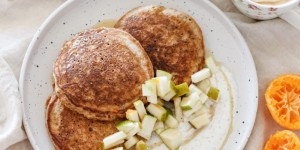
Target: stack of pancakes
[(99, 72)]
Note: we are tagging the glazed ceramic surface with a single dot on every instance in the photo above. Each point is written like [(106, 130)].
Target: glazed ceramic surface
[(220, 36), (264, 12)]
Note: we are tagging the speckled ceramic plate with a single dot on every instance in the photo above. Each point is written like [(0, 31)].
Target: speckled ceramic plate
[(220, 35)]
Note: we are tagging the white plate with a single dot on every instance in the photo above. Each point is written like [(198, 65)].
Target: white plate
[(220, 35)]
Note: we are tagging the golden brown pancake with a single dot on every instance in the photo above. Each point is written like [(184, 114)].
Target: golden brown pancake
[(69, 130), (99, 73), (172, 39)]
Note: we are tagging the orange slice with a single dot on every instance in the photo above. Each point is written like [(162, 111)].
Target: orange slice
[(283, 101), (283, 140)]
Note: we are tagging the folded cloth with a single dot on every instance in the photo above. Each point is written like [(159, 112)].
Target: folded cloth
[(10, 108), (19, 20)]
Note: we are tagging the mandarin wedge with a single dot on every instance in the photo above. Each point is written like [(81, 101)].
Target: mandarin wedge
[(283, 101), (283, 140)]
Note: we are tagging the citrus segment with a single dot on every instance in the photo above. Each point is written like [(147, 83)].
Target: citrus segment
[(283, 101), (283, 140)]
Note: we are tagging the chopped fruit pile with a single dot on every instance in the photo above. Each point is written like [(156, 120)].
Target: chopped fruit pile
[(189, 103)]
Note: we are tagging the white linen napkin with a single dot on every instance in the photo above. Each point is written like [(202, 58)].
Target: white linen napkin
[(19, 20), (10, 108)]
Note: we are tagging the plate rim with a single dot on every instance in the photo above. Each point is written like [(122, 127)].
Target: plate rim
[(32, 44), (247, 52), (47, 22)]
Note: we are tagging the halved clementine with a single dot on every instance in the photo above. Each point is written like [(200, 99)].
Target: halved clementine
[(283, 101), (283, 140)]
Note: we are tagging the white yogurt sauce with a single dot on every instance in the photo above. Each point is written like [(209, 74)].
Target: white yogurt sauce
[(214, 135)]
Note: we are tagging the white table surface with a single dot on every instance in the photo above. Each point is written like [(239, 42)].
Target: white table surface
[(274, 44)]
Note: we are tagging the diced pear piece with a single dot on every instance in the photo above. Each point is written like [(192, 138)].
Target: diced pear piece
[(114, 139), (203, 110), (131, 142), (194, 89), (117, 148), (203, 98), (171, 122), (189, 102), (159, 131), (149, 89), (159, 125), (169, 95), (211, 64), (172, 138), (141, 145), (132, 115), (200, 121), (137, 128), (201, 75), (147, 127), (172, 84), (152, 81), (140, 108), (157, 111), (191, 117), (213, 93), (152, 99), (196, 107), (160, 73), (178, 110), (182, 89), (204, 85), (117, 143), (163, 86), (125, 126)]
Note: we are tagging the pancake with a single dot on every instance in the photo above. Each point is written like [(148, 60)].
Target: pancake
[(172, 39), (99, 73), (70, 130)]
